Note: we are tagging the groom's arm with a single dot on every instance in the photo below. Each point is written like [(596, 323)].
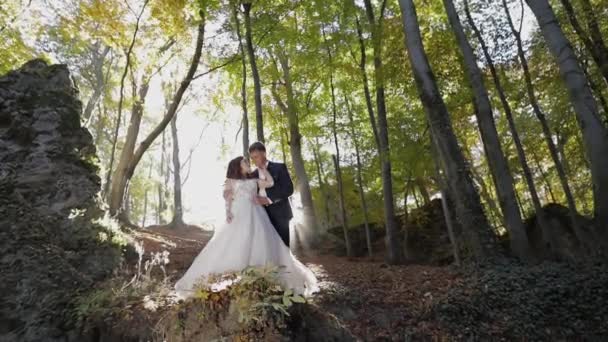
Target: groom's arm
[(283, 187)]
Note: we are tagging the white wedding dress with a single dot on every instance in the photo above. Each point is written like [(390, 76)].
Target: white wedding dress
[(249, 240)]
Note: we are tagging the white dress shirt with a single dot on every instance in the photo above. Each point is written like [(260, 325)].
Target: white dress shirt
[(262, 176)]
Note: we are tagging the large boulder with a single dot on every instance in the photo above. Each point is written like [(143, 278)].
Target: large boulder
[(424, 233), (427, 235), (334, 239), (565, 243), (50, 248)]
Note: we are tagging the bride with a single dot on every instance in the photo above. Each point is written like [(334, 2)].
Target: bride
[(248, 238)]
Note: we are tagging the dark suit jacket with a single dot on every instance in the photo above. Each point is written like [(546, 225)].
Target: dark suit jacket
[(280, 192)]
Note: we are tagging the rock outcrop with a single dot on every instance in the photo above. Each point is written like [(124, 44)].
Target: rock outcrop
[(565, 244), (50, 248), (427, 236)]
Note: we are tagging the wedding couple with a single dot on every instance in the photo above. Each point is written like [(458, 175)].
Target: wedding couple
[(256, 232)]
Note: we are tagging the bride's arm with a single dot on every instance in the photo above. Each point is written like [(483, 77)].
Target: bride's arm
[(228, 196), (265, 183)]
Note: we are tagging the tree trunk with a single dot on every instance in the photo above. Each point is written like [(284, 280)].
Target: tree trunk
[(99, 132), (593, 42), (353, 135), (322, 184), (597, 89), (284, 140), (178, 212), (127, 210), (106, 188), (126, 173), (406, 195), (416, 199), (336, 157), (368, 96), (468, 206), (485, 194), (143, 217), (420, 183), (447, 214), (119, 179), (545, 126), (161, 190), (343, 217), (394, 251), (561, 140), (245, 120), (543, 174), (498, 165), (295, 146), (257, 86), (594, 133), (99, 83), (596, 36), (542, 220)]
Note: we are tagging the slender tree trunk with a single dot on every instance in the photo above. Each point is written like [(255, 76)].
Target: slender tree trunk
[(143, 217), (543, 174), (295, 145), (468, 206), (596, 36), (416, 199), (178, 212), (336, 157), (167, 188), (322, 185), (544, 124), (99, 84), (561, 140), (447, 214), (119, 179), (245, 119), (540, 214), (127, 210), (421, 184), (366, 91), (257, 86), (98, 133), (597, 90), (499, 167), (594, 133), (486, 195), (353, 134), (395, 253), (593, 41), (161, 191), (284, 141), (406, 195), (106, 189), (116, 195), (343, 217), (581, 146)]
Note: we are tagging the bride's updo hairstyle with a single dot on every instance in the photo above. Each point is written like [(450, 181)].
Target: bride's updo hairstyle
[(234, 169)]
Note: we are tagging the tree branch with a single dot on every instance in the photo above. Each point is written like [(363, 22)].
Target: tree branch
[(235, 58), (147, 142)]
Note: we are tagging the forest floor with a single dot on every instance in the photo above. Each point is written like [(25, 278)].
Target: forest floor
[(373, 300)]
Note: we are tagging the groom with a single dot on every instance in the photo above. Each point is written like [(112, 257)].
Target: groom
[(276, 200)]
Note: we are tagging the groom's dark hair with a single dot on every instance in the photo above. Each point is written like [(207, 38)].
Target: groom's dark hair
[(257, 146)]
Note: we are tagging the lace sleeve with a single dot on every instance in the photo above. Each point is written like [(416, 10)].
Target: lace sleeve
[(228, 195), (267, 182)]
